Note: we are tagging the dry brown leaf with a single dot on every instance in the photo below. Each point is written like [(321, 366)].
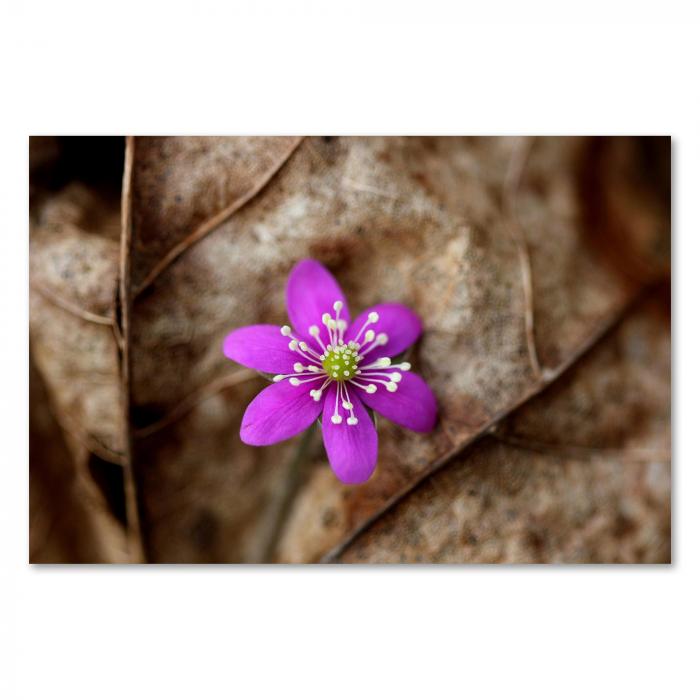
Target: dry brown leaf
[(500, 244), (70, 519), (582, 473)]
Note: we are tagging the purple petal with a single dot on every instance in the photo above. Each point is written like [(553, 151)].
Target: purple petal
[(279, 412), (396, 320), (261, 347), (352, 449), (311, 292), (412, 405)]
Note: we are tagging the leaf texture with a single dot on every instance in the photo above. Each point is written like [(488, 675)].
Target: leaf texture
[(540, 269)]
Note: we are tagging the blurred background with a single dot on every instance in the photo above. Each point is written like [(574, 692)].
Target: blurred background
[(541, 268)]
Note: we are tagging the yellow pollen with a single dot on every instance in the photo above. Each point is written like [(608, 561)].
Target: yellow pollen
[(340, 355)]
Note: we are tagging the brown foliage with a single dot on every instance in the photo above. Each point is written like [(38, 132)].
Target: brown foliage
[(541, 270)]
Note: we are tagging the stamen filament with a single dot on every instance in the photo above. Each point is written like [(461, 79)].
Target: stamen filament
[(315, 333), (280, 377), (370, 388), (342, 327), (381, 339), (347, 405), (373, 317), (336, 418), (296, 382), (296, 346), (393, 376), (390, 385), (317, 393), (379, 364)]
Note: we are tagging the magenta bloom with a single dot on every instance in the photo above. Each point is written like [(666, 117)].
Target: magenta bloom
[(333, 365)]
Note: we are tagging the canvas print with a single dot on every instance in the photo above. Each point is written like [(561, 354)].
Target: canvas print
[(352, 349)]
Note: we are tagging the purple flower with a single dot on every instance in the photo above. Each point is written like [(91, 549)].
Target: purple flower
[(336, 366)]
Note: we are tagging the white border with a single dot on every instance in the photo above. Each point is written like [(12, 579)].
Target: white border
[(312, 67)]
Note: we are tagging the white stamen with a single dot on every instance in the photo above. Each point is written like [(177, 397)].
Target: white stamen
[(342, 327), (295, 381), (304, 350), (299, 346), (352, 420), (374, 377), (348, 358), (339, 324), (382, 362), (332, 326), (317, 393), (373, 317), (315, 333), (381, 339), (280, 377), (369, 376), (335, 418), (369, 388)]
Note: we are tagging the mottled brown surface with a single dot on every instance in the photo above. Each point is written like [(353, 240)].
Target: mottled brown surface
[(182, 183), (70, 519), (73, 254), (498, 245), (582, 473)]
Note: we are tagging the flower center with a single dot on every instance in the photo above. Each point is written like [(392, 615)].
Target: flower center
[(343, 362), (340, 362)]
